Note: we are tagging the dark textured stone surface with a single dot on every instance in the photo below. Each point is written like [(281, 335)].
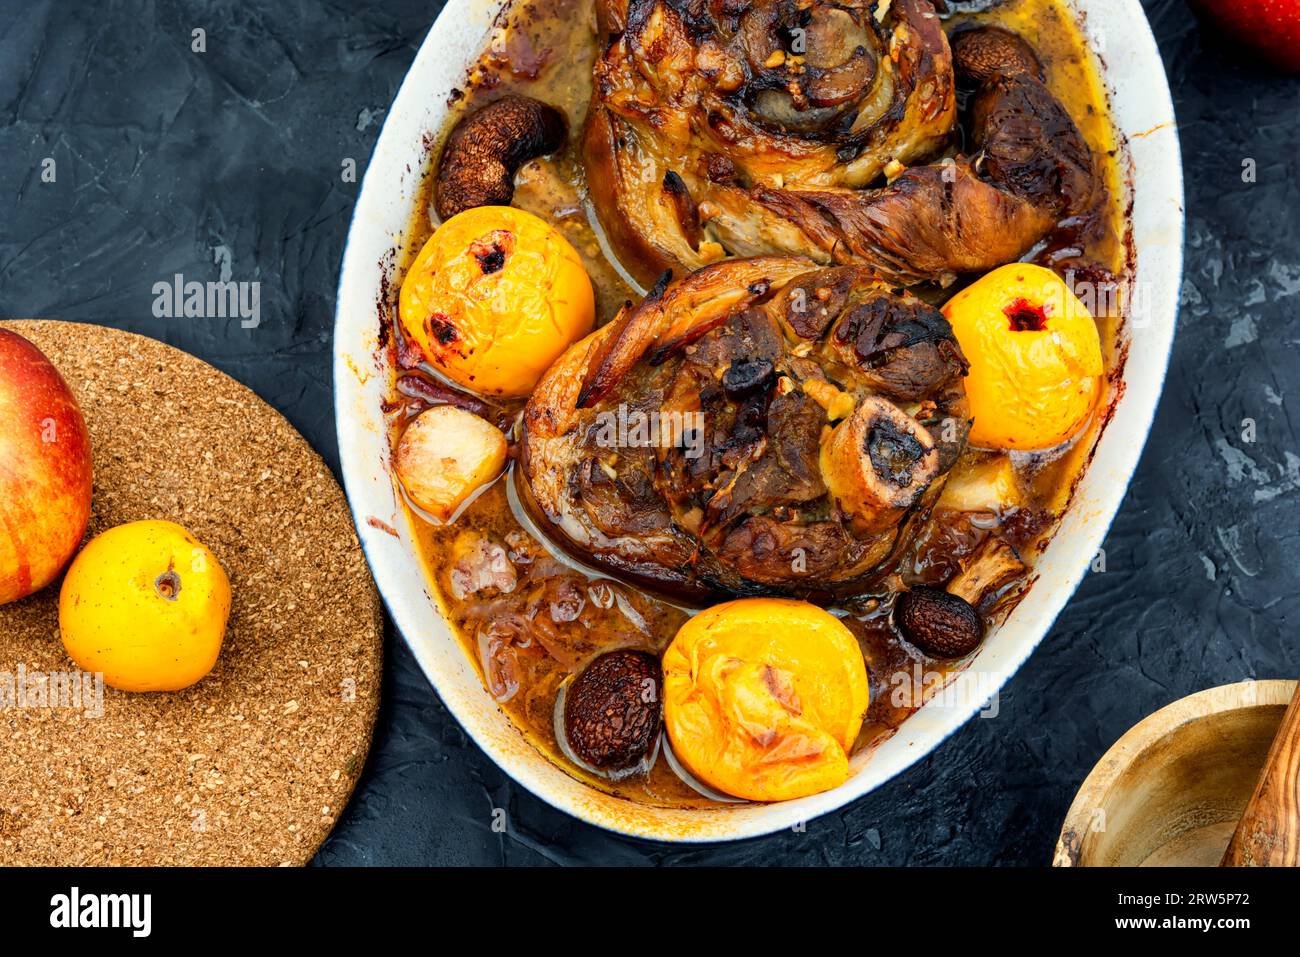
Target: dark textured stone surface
[(170, 161)]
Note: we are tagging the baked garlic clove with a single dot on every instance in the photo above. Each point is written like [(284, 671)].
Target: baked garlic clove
[(877, 463), (445, 456)]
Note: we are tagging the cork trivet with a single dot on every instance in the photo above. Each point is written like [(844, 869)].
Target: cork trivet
[(254, 764)]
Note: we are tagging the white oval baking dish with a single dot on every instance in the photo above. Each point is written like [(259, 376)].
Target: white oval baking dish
[(1142, 111)]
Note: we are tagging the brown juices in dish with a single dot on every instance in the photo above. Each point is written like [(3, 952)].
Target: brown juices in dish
[(832, 460)]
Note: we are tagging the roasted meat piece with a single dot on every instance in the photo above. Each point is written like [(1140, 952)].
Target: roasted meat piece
[(764, 426), (723, 129)]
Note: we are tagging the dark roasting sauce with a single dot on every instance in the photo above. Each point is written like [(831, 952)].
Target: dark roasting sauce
[(529, 616)]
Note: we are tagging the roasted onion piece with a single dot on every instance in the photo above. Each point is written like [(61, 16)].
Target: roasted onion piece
[(764, 426), (723, 129)]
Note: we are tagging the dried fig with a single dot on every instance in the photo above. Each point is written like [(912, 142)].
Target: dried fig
[(613, 710), (940, 624), (485, 149), (990, 52)]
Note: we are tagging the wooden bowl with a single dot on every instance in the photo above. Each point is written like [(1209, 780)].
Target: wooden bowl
[(1171, 790)]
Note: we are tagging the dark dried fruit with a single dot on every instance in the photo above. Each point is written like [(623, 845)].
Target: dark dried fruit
[(745, 375), (940, 624), (485, 149), (991, 52), (613, 710)]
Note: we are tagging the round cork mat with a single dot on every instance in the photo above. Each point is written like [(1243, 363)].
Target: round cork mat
[(254, 764)]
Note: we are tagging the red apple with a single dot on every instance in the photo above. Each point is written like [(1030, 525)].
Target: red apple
[(45, 470), (1270, 27)]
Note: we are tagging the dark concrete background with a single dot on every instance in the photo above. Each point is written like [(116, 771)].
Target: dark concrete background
[(170, 161)]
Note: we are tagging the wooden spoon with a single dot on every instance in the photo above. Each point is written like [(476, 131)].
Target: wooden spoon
[(1268, 834)]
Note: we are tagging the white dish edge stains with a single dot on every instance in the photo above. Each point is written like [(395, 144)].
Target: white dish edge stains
[(1142, 111)]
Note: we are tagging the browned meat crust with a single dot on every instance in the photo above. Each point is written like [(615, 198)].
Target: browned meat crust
[(795, 423), (708, 136)]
